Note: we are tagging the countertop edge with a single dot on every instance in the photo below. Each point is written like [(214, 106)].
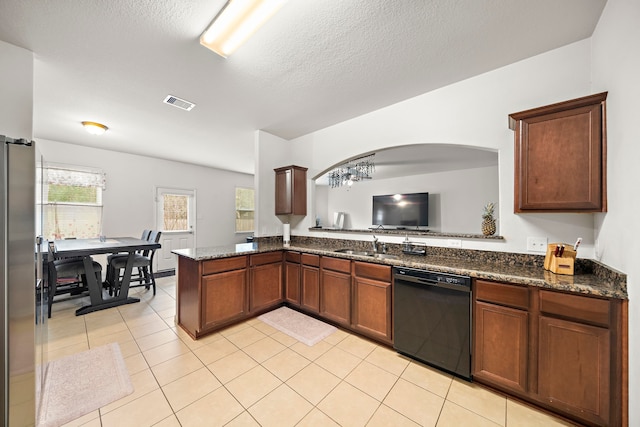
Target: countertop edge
[(531, 276)]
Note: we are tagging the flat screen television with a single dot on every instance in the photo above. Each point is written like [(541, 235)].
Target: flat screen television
[(401, 210)]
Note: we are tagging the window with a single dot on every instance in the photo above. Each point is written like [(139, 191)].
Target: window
[(72, 202), (176, 210), (245, 207)]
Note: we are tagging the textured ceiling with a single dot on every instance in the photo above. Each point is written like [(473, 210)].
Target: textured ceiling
[(316, 63)]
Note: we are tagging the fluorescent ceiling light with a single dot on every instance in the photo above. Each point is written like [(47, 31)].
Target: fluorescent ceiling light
[(94, 128), (236, 22)]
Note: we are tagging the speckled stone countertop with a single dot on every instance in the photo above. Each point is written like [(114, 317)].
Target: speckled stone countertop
[(591, 277)]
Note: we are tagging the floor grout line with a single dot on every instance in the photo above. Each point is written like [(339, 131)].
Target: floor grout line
[(128, 315)]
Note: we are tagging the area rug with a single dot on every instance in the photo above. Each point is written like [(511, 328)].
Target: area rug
[(81, 383), (297, 325)]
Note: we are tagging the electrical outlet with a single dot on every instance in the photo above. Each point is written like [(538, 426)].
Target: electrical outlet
[(454, 243), (537, 244)]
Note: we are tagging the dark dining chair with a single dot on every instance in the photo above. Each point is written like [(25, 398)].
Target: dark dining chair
[(108, 282), (142, 262), (67, 275)]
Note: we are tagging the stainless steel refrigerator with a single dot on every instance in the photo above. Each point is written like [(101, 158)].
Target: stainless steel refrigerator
[(20, 290)]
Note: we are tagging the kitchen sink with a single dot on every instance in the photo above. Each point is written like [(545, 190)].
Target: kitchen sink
[(354, 252), (365, 253), (384, 256)]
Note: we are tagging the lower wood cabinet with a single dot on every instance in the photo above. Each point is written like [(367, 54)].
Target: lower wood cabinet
[(211, 293), (501, 345), (224, 297), (292, 278), (335, 290), (372, 300), (559, 350), (265, 284), (575, 368), (501, 337), (310, 283)]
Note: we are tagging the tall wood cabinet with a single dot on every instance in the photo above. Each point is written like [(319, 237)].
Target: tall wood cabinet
[(560, 157), (291, 190), (561, 351)]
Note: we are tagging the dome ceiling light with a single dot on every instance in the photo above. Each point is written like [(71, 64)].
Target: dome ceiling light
[(94, 128)]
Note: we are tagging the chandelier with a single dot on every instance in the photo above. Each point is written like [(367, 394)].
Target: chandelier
[(354, 170)]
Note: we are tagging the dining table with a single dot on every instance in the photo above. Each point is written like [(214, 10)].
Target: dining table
[(85, 248)]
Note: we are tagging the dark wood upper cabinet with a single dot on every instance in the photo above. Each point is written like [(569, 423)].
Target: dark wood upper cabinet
[(291, 190), (560, 157)]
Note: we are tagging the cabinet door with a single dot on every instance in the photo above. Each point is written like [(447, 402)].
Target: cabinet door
[(574, 368), (265, 286), (224, 297), (310, 298), (560, 157), (372, 307), (501, 345), (335, 296), (292, 282), (284, 191), (291, 190)]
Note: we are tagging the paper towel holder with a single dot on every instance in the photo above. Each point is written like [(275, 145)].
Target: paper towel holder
[(286, 234)]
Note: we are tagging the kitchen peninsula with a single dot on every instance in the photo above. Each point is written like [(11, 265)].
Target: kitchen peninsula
[(522, 314)]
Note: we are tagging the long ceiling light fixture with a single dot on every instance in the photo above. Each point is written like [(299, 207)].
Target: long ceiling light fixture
[(236, 22), (354, 170)]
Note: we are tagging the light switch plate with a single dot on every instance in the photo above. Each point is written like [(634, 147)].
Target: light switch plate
[(537, 244)]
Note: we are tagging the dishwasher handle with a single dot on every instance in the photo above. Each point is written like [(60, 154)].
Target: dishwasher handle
[(429, 282)]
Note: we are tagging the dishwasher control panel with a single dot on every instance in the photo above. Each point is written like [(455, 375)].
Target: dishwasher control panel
[(432, 276)]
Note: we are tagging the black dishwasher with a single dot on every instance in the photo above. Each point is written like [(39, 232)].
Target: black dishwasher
[(432, 318)]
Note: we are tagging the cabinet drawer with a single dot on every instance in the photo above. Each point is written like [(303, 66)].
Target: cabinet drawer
[(226, 264), (504, 294), (267, 258), (577, 307), (372, 271), (292, 256), (336, 264), (309, 259)]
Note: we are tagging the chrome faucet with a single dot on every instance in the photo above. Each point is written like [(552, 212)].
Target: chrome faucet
[(375, 244)]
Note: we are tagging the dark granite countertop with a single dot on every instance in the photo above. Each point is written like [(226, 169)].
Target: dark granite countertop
[(598, 280)]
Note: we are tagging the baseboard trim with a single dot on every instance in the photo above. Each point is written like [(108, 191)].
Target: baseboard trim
[(165, 273)]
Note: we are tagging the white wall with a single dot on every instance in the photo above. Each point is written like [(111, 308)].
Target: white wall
[(616, 68), (472, 112), (456, 198), (16, 87), (273, 152), (129, 205)]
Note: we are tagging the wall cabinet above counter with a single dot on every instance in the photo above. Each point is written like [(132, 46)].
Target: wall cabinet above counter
[(291, 190), (560, 157)]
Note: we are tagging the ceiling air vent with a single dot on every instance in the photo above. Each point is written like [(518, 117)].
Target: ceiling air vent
[(180, 103)]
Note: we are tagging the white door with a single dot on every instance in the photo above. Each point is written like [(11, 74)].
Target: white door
[(176, 218)]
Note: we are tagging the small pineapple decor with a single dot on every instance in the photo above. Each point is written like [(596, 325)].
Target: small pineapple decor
[(488, 221)]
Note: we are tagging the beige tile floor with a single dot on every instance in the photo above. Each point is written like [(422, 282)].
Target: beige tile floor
[(253, 375)]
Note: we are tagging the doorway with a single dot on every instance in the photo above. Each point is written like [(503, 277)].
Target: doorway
[(175, 217)]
